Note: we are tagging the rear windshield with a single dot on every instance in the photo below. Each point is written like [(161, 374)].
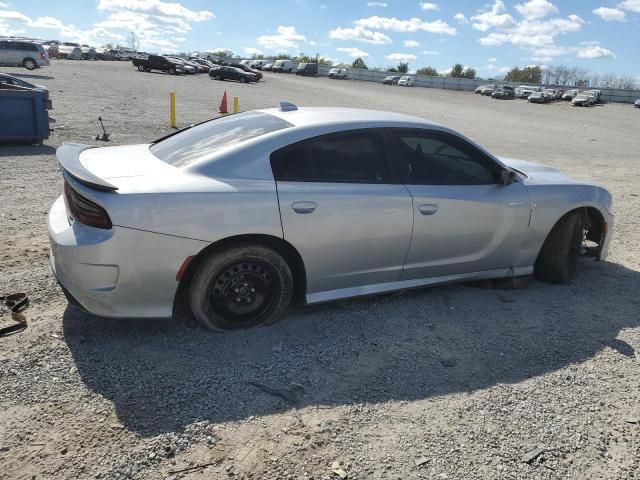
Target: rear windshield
[(190, 145)]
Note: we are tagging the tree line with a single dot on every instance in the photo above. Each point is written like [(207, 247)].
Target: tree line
[(570, 76)]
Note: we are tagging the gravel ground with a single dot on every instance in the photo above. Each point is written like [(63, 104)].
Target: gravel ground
[(452, 382)]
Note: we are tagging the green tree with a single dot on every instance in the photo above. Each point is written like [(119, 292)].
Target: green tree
[(403, 67), (359, 63), (456, 71), (524, 75), (428, 71), (224, 53), (469, 73), (392, 70), (108, 46), (257, 56), (283, 56)]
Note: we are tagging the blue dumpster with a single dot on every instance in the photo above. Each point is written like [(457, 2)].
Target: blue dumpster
[(23, 115)]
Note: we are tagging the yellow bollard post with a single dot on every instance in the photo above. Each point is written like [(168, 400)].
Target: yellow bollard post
[(172, 102), (235, 104)]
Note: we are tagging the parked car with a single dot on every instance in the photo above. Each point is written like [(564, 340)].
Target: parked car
[(239, 247), (581, 100), (70, 52), (551, 93), (258, 64), (637, 103), (307, 69), (52, 50), (22, 53), (244, 68), (538, 97), (6, 79), (158, 62), (391, 80), (526, 91), (504, 92), (103, 54), (231, 73), (478, 90), (595, 94), (203, 65), (88, 53), (283, 66), (570, 94), (487, 90), (268, 67), (338, 73), (246, 62), (406, 81), (187, 67)]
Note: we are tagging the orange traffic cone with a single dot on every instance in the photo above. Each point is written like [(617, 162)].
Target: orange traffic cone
[(223, 104)]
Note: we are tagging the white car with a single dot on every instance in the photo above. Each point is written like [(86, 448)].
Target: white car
[(70, 52), (406, 81), (236, 216), (338, 73)]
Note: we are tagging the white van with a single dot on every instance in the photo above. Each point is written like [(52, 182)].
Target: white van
[(283, 66)]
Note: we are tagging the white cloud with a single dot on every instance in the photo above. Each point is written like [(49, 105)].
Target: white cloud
[(492, 60), (609, 14), (360, 34), (534, 34), (251, 51), (9, 15), (631, 5), (535, 9), (430, 52), (592, 50), (354, 52), (411, 25), (156, 7), (376, 4), (461, 18), (286, 38), (411, 44), (428, 6), (402, 57), (494, 18)]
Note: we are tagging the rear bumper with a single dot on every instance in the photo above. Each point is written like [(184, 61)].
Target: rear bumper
[(120, 272)]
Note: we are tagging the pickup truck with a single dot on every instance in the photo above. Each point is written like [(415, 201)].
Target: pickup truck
[(158, 62)]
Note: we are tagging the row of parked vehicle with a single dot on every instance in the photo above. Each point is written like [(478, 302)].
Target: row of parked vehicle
[(286, 66), (401, 80), (540, 94)]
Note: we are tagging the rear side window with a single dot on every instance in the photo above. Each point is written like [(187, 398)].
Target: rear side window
[(188, 146), (28, 47), (431, 158), (350, 157)]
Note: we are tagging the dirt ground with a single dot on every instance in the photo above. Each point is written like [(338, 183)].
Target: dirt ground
[(451, 382)]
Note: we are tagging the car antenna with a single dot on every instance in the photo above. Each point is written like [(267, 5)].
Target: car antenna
[(105, 136)]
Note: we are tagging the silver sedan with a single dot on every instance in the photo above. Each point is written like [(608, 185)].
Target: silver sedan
[(240, 215)]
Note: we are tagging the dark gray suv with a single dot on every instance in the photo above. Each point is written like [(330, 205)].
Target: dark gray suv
[(21, 53)]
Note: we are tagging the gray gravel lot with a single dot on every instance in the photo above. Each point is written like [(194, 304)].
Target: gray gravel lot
[(454, 382)]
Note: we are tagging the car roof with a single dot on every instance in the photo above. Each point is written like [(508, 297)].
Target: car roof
[(323, 116)]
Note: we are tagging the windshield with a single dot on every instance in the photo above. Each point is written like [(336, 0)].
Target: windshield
[(190, 145)]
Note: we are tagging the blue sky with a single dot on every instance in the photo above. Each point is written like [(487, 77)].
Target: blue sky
[(600, 35)]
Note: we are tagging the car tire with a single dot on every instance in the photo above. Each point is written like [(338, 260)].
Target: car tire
[(141, 68), (30, 64), (172, 71), (241, 287), (558, 259)]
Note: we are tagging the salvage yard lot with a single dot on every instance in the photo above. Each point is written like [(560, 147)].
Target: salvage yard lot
[(450, 382)]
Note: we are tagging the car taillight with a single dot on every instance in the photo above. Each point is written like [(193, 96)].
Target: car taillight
[(85, 211), (43, 55)]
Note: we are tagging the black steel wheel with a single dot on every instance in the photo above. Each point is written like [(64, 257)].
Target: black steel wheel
[(141, 68), (240, 288)]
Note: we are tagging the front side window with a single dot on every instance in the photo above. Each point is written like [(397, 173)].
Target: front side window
[(190, 145), (348, 157), (432, 158)]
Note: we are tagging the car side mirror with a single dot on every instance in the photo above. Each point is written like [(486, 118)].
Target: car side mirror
[(507, 177)]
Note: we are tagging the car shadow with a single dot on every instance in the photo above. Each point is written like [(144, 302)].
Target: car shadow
[(25, 149), (162, 375), (33, 75)]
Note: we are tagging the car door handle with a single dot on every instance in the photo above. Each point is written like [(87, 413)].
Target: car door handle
[(428, 208), (304, 207)]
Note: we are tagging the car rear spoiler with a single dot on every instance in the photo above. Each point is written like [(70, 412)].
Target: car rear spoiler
[(69, 159)]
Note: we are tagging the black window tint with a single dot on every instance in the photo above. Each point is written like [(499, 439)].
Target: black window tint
[(353, 157), (441, 159)]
